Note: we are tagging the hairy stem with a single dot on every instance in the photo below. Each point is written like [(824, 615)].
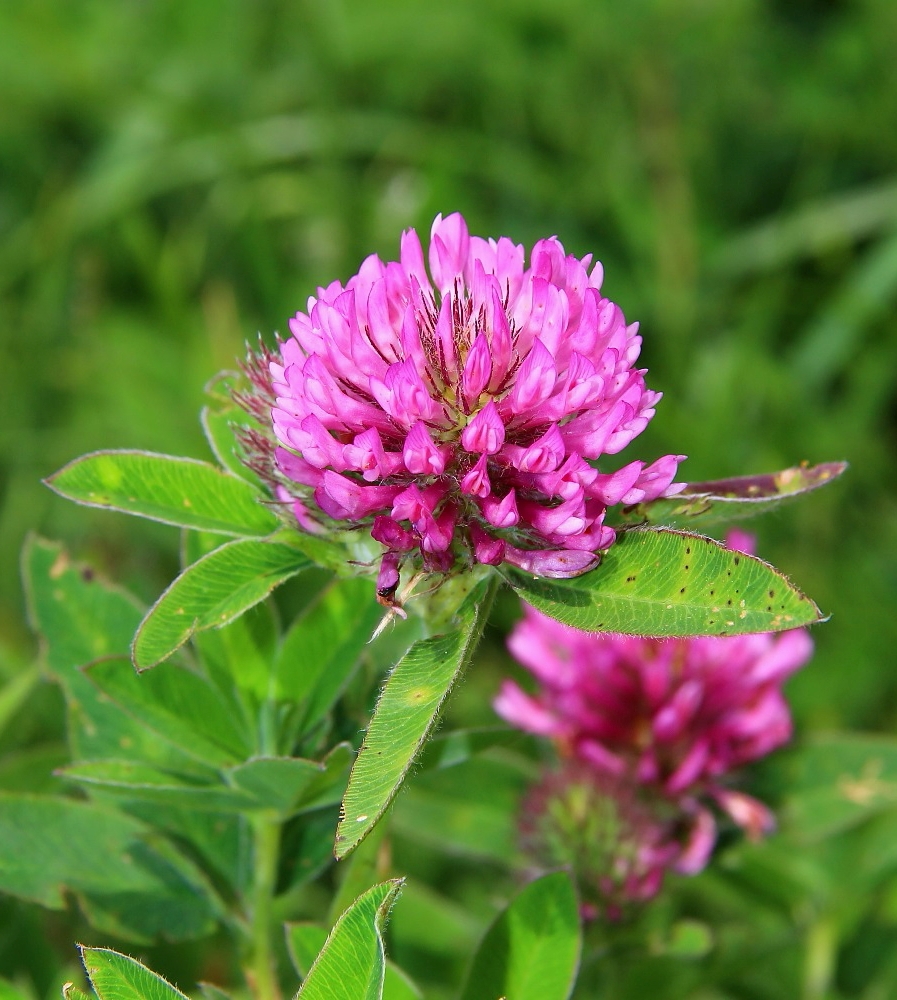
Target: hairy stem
[(261, 971)]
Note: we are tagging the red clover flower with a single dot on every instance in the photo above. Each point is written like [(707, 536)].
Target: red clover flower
[(458, 415), (671, 717)]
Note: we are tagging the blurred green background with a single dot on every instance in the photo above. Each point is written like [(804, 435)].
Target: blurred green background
[(177, 176)]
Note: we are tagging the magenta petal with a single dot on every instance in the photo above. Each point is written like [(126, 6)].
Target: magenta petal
[(544, 455), (741, 541), (296, 468), (411, 504), (568, 518), (535, 379), (388, 575), (787, 652), (437, 532), (342, 497), (611, 488), (476, 481), (449, 248), (522, 711), (412, 258), (690, 769), (422, 456), (390, 533), (367, 456), (321, 389), (655, 481), (485, 434), (557, 563), (671, 721), (477, 369), (501, 513), (600, 757), (487, 549), (501, 343), (403, 396), (700, 843), (751, 815), (447, 362)]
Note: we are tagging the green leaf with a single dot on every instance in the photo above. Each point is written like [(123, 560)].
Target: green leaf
[(179, 491), (531, 951), (117, 977), (305, 940), (81, 618), (219, 422), (741, 496), (239, 656), (322, 650), (181, 707), (837, 781), (69, 992), (288, 785), (218, 839), (405, 714), (139, 782), (307, 851), (351, 965), (211, 593), (659, 582), (129, 881), (15, 692)]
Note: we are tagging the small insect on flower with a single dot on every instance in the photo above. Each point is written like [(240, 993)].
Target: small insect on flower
[(459, 412)]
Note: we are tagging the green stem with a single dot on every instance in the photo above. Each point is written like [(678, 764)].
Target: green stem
[(262, 969)]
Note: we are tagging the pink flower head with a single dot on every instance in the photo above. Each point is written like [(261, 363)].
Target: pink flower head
[(674, 716), (462, 407)]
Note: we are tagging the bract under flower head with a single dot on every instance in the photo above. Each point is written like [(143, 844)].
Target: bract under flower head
[(459, 412), (674, 716), (616, 843)]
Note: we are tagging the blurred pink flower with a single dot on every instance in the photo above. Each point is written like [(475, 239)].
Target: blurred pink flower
[(617, 844), (457, 411), (672, 716)]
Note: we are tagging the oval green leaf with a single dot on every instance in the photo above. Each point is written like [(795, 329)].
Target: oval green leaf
[(660, 582), (117, 977), (81, 618), (288, 785), (130, 881), (180, 707), (213, 592), (179, 491), (137, 782), (405, 714), (323, 648), (220, 423), (531, 951), (352, 963)]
